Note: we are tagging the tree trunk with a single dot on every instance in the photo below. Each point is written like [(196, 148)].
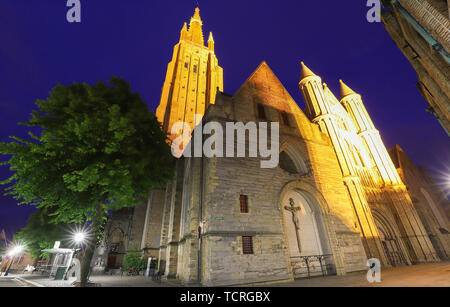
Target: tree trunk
[(91, 244), (35, 261)]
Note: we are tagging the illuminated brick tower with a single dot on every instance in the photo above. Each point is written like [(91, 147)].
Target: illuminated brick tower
[(192, 79)]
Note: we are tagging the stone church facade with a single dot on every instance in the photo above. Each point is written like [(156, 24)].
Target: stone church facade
[(335, 200)]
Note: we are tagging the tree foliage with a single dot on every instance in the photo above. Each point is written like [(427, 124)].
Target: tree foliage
[(40, 234), (99, 148), (99, 143)]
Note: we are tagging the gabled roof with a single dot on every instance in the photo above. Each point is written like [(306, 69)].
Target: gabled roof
[(263, 75)]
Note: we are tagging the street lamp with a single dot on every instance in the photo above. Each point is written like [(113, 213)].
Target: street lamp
[(17, 249), (79, 238)]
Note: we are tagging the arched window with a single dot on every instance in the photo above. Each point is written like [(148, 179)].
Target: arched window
[(291, 160), (287, 164)]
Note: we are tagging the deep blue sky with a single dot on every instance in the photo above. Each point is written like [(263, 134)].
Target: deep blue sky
[(134, 39)]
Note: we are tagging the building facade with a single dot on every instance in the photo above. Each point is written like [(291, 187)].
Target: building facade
[(428, 199), (335, 199), (421, 30)]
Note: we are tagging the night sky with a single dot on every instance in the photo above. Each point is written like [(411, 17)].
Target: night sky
[(134, 39)]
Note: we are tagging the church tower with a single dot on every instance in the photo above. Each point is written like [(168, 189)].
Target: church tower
[(192, 79), (371, 138), (320, 111)]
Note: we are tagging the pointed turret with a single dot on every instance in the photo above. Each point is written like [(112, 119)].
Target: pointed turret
[(311, 87), (184, 32), (305, 72), (211, 42), (196, 16), (345, 90), (195, 28)]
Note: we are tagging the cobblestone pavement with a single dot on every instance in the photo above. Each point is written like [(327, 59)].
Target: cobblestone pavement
[(423, 275)]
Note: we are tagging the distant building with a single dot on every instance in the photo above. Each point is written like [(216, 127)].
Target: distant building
[(20, 262), (428, 199), (421, 30), (122, 233), (335, 199)]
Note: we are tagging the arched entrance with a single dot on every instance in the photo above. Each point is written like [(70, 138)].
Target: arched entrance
[(306, 236), (389, 240), (116, 249)]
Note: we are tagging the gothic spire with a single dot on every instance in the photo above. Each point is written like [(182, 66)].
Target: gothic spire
[(195, 27), (305, 72), (345, 90), (184, 31), (211, 41)]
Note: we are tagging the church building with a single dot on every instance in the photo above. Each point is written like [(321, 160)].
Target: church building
[(337, 198)]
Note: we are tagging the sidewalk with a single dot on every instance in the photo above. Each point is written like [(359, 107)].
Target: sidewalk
[(422, 275), (103, 280)]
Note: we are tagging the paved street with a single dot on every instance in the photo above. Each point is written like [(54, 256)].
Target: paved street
[(12, 282), (423, 275)]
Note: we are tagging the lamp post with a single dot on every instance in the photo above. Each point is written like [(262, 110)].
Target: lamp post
[(78, 238), (15, 250)]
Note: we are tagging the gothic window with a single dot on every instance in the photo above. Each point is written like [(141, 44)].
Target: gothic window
[(285, 118), (247, 245), (115, 247), (195, 69), (261, 112), (287, 164), (186, 65), (243, 200)]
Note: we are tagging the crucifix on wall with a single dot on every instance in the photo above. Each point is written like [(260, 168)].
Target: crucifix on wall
[(295, 219)]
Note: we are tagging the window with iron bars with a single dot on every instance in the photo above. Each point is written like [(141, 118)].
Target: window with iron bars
[(247, 245)]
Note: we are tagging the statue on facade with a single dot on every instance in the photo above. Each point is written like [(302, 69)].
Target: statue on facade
[(295, 219)]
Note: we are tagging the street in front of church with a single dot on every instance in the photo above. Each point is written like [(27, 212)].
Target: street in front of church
[(423, 275)]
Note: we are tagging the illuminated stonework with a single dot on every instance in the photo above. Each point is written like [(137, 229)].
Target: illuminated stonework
[(369, 174), (335, 200), (420, 29), (192, 79)]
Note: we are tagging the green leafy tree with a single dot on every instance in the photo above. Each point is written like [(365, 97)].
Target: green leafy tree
[(100, 148), (40, 233)]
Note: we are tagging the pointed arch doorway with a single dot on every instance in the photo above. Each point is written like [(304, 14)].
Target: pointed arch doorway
[(390, 239), (304, 229)]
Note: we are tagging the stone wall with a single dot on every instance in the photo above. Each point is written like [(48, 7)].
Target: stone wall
[(432, 70), (225, 179), (428, 200)]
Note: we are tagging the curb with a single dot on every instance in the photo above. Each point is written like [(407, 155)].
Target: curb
[(33, 283)]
